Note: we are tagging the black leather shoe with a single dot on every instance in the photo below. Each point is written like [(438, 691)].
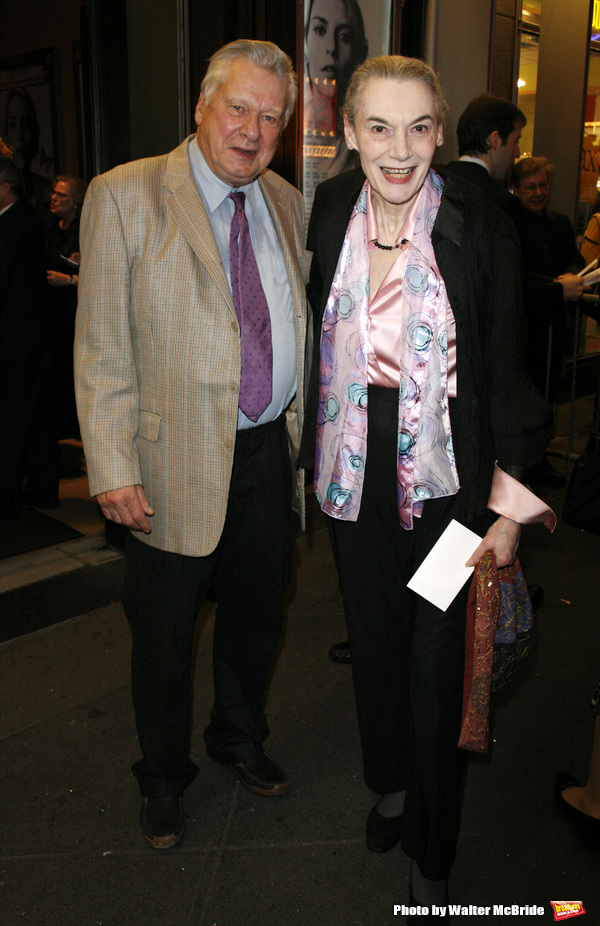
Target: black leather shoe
[(162, 821), (383, 833), (586, 827), (258, 773), (340, 653)]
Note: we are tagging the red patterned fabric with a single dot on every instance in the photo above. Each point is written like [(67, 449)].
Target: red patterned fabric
[(498, 637)]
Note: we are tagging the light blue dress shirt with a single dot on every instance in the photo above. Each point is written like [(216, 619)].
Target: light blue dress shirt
[(273, 275)]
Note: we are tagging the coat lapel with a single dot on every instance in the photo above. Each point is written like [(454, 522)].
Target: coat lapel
[(187, 208)]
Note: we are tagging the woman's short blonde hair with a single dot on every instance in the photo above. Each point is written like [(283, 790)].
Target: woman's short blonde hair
[(398, 68)]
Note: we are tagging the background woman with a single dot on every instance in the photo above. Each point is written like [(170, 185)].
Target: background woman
[(62, 255), (417, 388)]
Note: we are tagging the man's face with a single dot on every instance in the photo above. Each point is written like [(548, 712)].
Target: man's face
[(534, 191), (504, 156), (239, 127)]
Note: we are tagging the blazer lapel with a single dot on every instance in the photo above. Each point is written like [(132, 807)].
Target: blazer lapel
[(187, 208)]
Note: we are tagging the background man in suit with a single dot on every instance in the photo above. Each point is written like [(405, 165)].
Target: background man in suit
[(550, 263), (488, 133), (28, 434), (169, 276)]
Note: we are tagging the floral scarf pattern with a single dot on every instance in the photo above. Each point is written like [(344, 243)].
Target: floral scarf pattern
[(426, 466)]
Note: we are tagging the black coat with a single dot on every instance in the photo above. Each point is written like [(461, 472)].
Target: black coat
[(28, 442), (478, 175), (548, 249), (498, 414), (23, 289)]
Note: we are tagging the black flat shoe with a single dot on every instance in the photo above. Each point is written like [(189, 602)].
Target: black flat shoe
[(586, 827), (383, 833)]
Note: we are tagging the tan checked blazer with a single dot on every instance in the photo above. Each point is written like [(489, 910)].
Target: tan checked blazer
[(157, 345)]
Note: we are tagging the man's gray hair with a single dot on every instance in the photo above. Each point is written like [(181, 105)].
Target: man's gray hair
[(264, 55)]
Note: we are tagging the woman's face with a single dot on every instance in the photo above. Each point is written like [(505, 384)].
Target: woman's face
[(19, 131), (329, 45), (396, 133), (62, 204)]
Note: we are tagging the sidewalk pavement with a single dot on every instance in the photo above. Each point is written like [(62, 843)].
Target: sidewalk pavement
[(71, 851)]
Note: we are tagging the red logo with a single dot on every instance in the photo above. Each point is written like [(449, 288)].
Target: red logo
[(565, 909)]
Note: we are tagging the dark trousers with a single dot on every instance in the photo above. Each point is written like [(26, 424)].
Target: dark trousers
[(29, 451), (407, 655), (163, 592)]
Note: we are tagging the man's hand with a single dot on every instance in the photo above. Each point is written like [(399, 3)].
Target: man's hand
[(128, 506), (573, 286), (503, 539)]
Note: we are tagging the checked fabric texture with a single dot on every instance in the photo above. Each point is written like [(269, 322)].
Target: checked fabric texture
[(256, 383)]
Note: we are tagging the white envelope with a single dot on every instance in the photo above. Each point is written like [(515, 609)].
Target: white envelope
[(443, 573), (592, 277)]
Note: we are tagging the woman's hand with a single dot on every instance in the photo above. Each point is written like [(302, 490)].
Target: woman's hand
[(502, 539)]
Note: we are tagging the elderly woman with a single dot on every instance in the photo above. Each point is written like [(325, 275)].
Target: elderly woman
[(417, 388), (62, 262)]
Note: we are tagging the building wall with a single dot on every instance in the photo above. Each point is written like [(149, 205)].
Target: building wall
[(461, 56), (560, 100), (153, 76)]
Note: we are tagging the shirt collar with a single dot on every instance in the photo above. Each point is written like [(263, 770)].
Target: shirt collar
[(215, 190), (6, 208), (471, 160)]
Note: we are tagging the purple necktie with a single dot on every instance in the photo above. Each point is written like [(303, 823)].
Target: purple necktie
[(253, 315)]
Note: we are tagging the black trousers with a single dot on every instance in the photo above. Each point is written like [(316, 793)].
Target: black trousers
[(29, 450), (407, 654), (248, 572)]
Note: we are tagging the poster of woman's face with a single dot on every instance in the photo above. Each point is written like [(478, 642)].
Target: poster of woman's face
[(338, 36), (26, 121)]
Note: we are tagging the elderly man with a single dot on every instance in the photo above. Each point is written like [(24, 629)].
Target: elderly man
[(488, 133), (189, 352)]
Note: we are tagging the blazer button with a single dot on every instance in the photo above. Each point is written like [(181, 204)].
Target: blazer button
[(228, 446), (233, 387), (235, 327)]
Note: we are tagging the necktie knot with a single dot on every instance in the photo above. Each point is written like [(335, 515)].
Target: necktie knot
[(239, 199)]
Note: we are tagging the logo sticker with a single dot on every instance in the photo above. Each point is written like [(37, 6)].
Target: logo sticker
[(565, 909)]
